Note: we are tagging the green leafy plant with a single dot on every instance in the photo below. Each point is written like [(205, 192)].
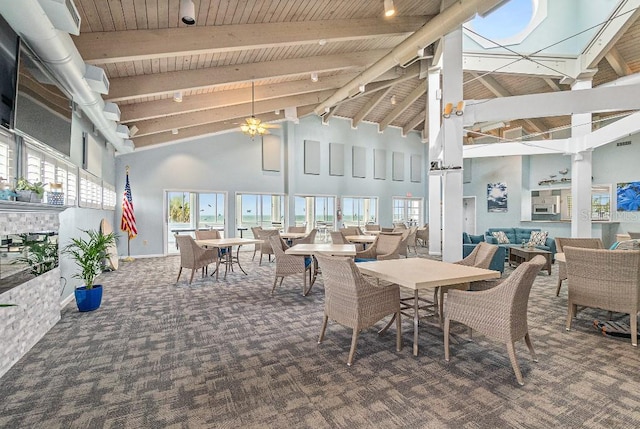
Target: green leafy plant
[(40, 256), (24, 185), (89, 254)]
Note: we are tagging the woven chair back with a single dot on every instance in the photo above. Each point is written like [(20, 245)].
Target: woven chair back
[(386, 244), (584, 243), (212, 234)]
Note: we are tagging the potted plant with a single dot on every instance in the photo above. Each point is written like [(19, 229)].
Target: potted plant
[(89, 254), (29, 192)]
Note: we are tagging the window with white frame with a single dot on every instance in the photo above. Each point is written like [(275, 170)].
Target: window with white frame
[(46, 167), (6, 158), (108, 196), (90, 190), (358, 211), (407, 210)]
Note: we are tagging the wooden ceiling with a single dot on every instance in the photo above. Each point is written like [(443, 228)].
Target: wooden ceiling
[(149, 54)]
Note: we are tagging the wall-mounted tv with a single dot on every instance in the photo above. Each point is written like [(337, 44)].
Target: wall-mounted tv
[(42, 111), (9, 43)]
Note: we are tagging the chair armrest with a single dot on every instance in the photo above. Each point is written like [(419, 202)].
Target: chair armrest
[(551, 243), (490, 239), (368, 253)]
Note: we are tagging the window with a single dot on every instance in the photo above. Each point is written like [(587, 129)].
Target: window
[(314, 210), (358, 211), (6, 158), (407, 210), (90, 190), (108, 196), (264, 210), (46, 166)]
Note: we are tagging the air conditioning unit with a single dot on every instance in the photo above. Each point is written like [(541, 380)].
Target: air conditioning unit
[(63, 15)]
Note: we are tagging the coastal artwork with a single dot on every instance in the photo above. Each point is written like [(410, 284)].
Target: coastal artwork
[(628, 196), (497, 197)]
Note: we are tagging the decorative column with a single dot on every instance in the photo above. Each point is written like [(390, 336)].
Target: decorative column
[(581, 170), (434, 117), (452, 210)]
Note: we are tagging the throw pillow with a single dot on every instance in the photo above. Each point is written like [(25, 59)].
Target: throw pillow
[(538, 238), (501, 237)]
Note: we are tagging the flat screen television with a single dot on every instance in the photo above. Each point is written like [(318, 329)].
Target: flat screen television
[(9, 43), (42, 111)]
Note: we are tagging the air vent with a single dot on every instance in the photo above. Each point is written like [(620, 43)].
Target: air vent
[(63, 15), (97, 79), (627, 143)]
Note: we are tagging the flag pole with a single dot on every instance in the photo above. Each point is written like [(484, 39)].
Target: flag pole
[(128, 258)]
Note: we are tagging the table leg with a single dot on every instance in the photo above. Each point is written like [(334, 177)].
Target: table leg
[(238, 259), (416, 322)]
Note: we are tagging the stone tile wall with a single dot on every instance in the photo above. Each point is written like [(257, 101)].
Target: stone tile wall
[(37, 310), (21, 222)]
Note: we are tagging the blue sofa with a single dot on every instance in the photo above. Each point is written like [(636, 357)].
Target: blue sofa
[(469, 242), (517, 236)]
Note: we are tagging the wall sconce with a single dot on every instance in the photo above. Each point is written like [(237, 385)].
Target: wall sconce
[(447, 110), (460, 108)]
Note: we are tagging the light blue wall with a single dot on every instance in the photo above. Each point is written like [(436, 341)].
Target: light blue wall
[(611, 165), (232, 163)]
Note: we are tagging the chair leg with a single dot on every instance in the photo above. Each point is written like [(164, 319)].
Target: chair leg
[(527, 339), (514, 362), (275, 282), (354, 341), (633, 321), (571, 311), (398, 331), (447, 324), (260, 261), (179, 272), (559, 286), (441, 291), (193, 270), (324, 327)]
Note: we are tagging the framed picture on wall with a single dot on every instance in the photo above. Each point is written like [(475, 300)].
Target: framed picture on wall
[(497, 197), (628, 196)]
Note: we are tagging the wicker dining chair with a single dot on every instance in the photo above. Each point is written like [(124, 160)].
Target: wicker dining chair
[(265, 246), (288, 265), (422, 235), (499, 313), (403, 250), (299, 229), (338, 238), (605, 279), (385, 247), (634, 235), (194, 257), (354, 302), (309, 239), (211, 234), (584, 243), (255, 230)]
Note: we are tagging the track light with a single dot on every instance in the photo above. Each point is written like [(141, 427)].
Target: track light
[(460, 108), (393, 100), (389, 8), (314, 76), (447, 110), (177, 97), (361, 87), (174, 131), (187, 12)]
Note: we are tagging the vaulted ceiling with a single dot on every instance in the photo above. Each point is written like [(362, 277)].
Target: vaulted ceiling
[(149, 55)]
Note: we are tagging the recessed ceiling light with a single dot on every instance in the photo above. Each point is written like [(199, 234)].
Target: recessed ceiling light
[(177, 97)]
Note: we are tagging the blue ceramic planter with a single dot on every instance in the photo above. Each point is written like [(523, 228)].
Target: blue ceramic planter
[(88, 299)]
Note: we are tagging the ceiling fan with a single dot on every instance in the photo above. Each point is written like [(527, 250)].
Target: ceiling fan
[(253, 126)]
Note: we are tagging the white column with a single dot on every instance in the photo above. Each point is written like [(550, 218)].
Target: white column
[(434, 110), (452, 210), (581, 171)]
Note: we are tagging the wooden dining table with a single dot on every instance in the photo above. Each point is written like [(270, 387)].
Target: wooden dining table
[(228, 243), (420, 274)]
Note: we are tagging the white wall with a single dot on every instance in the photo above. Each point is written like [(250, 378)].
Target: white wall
[(232, 163)]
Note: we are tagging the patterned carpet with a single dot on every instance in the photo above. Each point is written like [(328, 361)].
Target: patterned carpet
[(227, 354)]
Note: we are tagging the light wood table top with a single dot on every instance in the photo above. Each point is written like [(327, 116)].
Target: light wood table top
[(422, 273), (368, 239), (324, 248), (227, 242), (293, 235)]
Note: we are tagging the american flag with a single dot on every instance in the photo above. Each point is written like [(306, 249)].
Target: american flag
[(128, 222)]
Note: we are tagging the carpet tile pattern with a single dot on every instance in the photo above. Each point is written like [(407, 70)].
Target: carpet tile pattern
[(227, 354)]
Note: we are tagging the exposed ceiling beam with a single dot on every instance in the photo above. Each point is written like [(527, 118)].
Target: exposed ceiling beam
[(538, 125), (407, 74), (625, 15), (208, 129), (618, 63), (552, 84), (414, 122), (132, 87), (134, 45), (231, 97), (418, 92), (369, 106), (186, 120), (328, 115), (442, 23)]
